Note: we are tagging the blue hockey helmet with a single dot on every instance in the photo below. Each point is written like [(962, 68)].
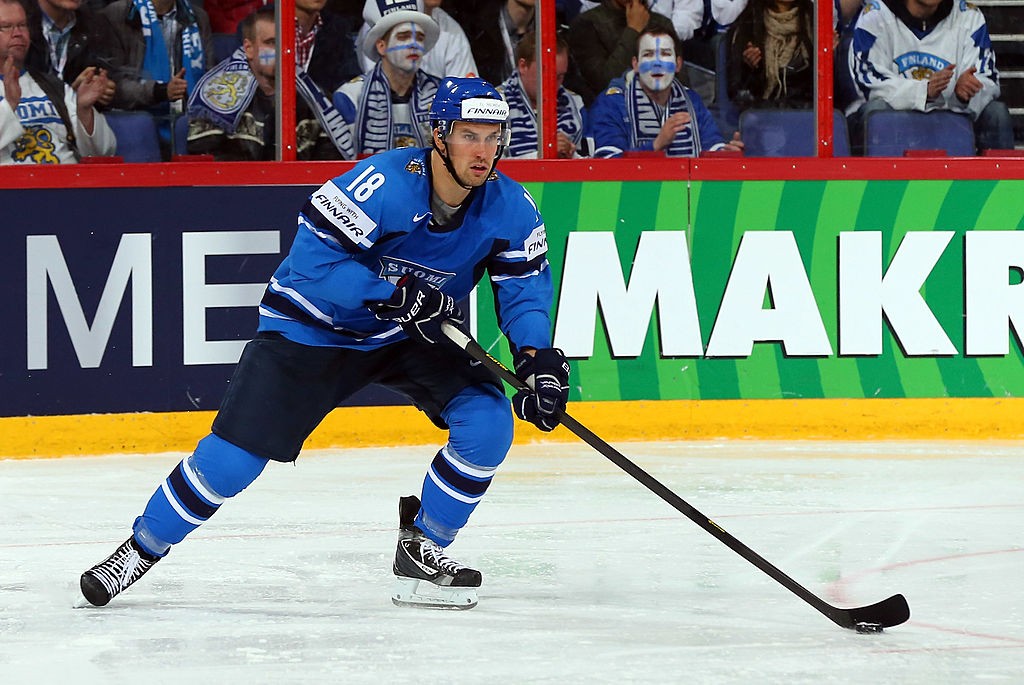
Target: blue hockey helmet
[(469, 99), (472, 100)]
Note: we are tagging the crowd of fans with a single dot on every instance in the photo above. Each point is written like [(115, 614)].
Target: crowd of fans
[(366, 72)]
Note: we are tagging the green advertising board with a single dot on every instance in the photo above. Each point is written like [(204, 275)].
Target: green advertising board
[(784, 289)]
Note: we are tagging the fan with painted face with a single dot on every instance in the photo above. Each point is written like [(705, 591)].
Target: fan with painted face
[(656, 63)]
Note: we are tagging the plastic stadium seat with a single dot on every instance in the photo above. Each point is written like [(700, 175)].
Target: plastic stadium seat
[(180, 135), (223, 45), (180, 138), (891, 133), (788, 133), (137, 138)]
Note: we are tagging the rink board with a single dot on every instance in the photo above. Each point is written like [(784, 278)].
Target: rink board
[(689, 308)]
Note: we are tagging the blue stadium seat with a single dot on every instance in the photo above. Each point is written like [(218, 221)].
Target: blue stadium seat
[(180, 134), (137, 138), (223, 45), (788, 133), (891, 133)]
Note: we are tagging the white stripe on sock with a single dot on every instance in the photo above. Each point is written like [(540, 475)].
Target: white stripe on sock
[(177, 507), (206, 492), (449, 491), (453, 458)]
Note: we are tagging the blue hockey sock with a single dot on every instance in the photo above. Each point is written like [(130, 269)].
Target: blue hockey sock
[(194, 491), (480, 434)]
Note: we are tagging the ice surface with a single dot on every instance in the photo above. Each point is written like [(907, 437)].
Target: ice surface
[(588, 577)]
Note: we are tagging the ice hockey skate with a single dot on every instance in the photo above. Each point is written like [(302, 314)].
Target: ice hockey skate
[(426, 577), (116, 573)]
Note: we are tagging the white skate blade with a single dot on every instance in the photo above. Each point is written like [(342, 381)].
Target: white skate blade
[(74, 592), (78, 600), (422, 594)]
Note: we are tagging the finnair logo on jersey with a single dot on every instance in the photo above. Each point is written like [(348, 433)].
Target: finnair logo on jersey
[(343, 213), (393, 268), (484, 108), (537, 243)]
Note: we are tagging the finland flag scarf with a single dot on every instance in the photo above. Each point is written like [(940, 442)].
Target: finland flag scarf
[(226, 91)]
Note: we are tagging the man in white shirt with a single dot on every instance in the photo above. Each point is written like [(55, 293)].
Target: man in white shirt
[(35, 126)]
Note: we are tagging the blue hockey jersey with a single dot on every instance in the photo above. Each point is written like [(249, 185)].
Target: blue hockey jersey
[(362, 231)]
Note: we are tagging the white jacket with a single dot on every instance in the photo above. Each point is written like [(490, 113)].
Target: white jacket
[(686, 15), (36, 134), (889, 61), (450, 56)]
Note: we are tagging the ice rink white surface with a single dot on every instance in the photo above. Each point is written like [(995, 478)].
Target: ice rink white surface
[(588, 576)]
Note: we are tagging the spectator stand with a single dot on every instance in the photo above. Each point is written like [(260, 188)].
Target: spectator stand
[(137, 137), (788, 133), (894, 133), (1005, 19)]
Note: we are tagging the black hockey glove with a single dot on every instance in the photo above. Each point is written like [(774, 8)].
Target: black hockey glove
[(548, 372), (419, 309)]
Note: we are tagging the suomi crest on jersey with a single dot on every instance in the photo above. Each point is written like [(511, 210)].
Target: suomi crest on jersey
[(393, 268)]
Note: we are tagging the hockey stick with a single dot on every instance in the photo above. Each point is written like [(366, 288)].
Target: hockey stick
[(872, 618)]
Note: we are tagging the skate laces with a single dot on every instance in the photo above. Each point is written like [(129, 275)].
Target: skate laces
[(121, 570), (128, 566), (434, 553)]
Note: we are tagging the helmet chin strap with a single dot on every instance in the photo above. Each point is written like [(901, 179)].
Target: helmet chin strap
[(448, 164), (451, 169)]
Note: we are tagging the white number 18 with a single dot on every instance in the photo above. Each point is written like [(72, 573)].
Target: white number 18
[(362, 190)]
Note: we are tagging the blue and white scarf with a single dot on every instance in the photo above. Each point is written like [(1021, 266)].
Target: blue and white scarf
[(227, 90), (156, 63), (523, 120), (331, 121), (373, 126), (224, 93), (646, 118)]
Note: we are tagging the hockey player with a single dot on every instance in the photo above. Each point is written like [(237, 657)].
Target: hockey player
[(928, 55), (382, 255)]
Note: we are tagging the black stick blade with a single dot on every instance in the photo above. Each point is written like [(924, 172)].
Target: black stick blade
[(887, 613)]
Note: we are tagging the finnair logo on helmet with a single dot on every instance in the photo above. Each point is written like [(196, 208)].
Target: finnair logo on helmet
[(484, 109)]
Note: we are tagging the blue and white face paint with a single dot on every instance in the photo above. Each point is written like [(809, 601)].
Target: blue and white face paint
[(656, 61), (267, 57), (406, 46)]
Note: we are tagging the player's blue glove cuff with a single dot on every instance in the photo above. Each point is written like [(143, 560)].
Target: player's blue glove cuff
[(547, 371), (419, 309)]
